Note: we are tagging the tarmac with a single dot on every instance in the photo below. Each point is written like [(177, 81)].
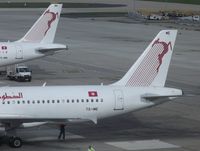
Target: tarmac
[(101, 51)]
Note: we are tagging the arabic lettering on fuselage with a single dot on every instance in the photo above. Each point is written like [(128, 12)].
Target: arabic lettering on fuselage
[(5, 96)]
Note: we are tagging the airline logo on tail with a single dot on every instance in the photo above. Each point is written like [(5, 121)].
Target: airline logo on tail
[(164, 52), (150, 65), (53, 18), (45, 27)]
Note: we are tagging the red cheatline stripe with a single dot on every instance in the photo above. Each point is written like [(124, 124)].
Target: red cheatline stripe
[(148, 68), (151, 71), (154, 71), (134, 77), (138, 71), (146, 71)]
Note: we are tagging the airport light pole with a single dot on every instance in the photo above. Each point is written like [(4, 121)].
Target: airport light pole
[(165, 5), (134, 2), (132, 8)]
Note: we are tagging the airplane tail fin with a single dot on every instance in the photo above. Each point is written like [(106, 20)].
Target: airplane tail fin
[(44, 29), (152, 66)]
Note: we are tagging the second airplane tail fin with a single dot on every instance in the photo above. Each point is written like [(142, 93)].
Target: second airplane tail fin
[(152, 66), (44, 29)]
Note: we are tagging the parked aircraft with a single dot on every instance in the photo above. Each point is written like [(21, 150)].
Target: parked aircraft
[(37, 42), (141, 87)]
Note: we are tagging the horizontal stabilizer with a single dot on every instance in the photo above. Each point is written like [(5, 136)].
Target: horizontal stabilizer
[(51, 49), (162, 92)]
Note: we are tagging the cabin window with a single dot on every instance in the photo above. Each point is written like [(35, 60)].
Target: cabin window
[(53, 101), (48, 101), (38, 102), (8, 102), (97, 100), (33, 102), (43, 101), (82, 100), (92, 100), (58, 101), (77, 100), (101, 100), (67, 101), (28, 102), (72, 101), (23, 102), (3, 102), (18, 102)]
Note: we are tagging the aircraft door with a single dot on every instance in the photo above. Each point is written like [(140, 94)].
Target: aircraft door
[(19, 52), (119, 100)]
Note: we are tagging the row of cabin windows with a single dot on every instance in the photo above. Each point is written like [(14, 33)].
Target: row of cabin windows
[(53, 101)]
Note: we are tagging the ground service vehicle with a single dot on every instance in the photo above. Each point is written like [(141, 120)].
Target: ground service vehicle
[(19, 73)]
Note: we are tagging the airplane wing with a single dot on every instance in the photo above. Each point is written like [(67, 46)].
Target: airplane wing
[(14, 116), (23, 121)]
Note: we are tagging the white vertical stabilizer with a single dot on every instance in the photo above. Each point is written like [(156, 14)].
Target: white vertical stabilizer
[(152, 66), (44, 29)]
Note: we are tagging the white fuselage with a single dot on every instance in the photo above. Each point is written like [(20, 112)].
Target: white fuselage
[(71, 102), (17, 52)]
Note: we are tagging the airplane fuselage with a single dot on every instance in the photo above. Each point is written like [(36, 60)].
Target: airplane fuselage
[(72, 102), (15, 52)]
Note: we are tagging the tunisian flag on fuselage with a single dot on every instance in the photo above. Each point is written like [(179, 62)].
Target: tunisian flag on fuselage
[(92, 93)]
